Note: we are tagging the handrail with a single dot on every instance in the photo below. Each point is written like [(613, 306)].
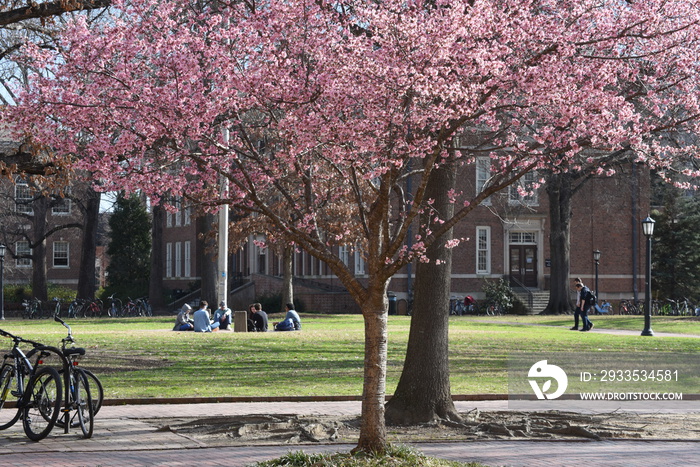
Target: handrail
[(530, 295)]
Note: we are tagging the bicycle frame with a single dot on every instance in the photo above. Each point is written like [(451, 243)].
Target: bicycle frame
[(27, 376)]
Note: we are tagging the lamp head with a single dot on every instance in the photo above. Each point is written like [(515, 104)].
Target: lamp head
[(648, 226)]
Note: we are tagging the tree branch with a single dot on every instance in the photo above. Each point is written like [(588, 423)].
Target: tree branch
[(45, 10)]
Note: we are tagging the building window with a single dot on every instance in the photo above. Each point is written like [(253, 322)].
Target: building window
[(61, 205), (188, 259), (22, 253), (178, 213), (168, 260), (344, 254), (483, 175), (187, 215), (178, 259), (168, 219), (60, 254), (23, 196), (522, 238), (359, 263), (483, 250), (524, 191)]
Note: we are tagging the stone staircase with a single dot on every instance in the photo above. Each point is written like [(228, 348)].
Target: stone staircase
[(540, 298)]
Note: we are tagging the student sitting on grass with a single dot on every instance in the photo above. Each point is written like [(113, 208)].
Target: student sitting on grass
[(202, 322), (291, 321), (184, 322)]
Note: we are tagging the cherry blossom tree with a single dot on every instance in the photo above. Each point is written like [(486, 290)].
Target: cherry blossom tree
[(351, 98)]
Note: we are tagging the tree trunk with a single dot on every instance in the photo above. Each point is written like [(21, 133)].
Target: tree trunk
[(423, 393), (155, 285), (560, 193), (207, 252), (375, 313), (287, 276), (86, 274), (39, 283)]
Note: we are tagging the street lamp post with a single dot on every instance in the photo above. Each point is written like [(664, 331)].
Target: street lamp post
[(596, 258), (648, 228), (2, 282)]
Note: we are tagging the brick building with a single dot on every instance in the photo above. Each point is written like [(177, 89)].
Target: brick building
[(26, 216), (507, 237)]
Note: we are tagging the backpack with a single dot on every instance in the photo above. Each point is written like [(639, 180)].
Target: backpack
[(251, 326), (590, 298)]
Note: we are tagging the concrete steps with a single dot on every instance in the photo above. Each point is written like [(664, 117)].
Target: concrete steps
[(540, 299)]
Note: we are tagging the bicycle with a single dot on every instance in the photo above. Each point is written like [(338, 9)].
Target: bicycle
[(115, 307), (92, 309), (629, 307), (77, 387), (680, 307), (494, 309), (75, 308), (96, 389), (38, 403), (457, 306), (57, 307), (33, 309), (144, 307)]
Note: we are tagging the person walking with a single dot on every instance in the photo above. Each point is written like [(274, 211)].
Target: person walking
[(577, 309), (586, 303)]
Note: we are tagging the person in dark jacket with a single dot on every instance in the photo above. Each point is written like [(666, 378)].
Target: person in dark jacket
[(258, 317), (585, 306)]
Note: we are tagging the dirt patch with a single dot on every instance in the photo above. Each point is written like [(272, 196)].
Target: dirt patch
[(491, 425), (109, 362)]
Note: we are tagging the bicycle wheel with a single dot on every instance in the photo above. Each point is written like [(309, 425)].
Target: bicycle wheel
[(80, 407), (84, 408), (44, 404), (96, 390), (8, 384)]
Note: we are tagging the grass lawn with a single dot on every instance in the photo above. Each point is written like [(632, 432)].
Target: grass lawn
[(141, 358)]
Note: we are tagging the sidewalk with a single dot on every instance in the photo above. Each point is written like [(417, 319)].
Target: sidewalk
[(128, 436)]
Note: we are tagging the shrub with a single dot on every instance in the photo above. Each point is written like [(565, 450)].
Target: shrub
[(499, 293)]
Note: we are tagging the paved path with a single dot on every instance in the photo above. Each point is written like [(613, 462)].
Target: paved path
[(619, 332), (127, 436)]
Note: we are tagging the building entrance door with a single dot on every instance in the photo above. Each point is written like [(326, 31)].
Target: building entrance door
[(523, 265)]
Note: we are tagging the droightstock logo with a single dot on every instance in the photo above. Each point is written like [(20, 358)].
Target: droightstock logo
[(545, 373)]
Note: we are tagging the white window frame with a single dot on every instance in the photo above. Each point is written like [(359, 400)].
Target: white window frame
[(22, 248), (178, 213), (483, 250), (188, 259), (359, 263), (187, 215), (64, 206), (526, 182), (344, 254), (23, 194), (483, 175), (58, 254), (168, 260), (178, 259)]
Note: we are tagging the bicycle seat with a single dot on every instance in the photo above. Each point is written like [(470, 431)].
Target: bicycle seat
[(74, 351)]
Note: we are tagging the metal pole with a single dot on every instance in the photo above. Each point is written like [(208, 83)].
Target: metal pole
[(597, 297), (222, 258), (647, 305)]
